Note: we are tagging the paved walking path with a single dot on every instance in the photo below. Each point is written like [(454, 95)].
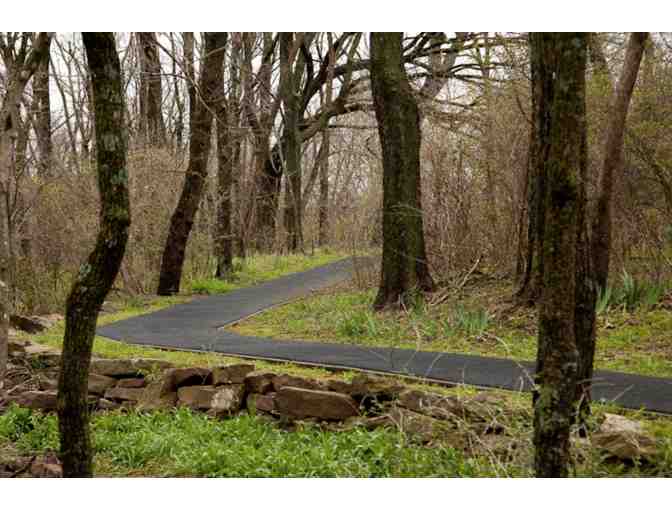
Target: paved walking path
[(196, 326)]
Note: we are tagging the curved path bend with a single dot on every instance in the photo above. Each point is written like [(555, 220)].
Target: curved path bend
[(196, 326)]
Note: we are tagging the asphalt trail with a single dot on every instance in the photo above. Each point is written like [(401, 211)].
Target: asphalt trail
[(196, 326)]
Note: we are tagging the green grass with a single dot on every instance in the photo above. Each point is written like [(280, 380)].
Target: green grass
[(477, 322), (183, 443), (260, 268)]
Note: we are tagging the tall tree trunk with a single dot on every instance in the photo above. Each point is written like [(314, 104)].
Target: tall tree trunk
[(325, 149), (97, 275), (557, 358), (228, 152), (404, 265), (151, 98), (613, 156), (289, 91), (182, 220), (543, 65), (42, 122)]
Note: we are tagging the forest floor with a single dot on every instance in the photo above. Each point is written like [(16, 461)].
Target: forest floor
[(478, 319)]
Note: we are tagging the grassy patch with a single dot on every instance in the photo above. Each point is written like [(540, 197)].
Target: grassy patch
[(479, 320), (260, 268), (183, 443)]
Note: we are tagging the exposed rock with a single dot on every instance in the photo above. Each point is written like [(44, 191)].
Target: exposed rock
[(625, 439), (365, 386), (134, 382), (46, 467), (300, 403), (32, 325), (424, 428), (99, 384), (258, 402), (33, 349), (231, 374), (227, 400), (156, 396), (283, 380), (43, 400), (431, 404), (124, 394), (179, 377), (106, 405), (196, 397), (259, 382), (121, 368)]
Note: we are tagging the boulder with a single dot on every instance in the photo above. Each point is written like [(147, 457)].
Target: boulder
[(156, 396), (133, 382), (231, 374), (32, 325), (107, 405), (46, 467), (179, 377), (259, 382), (258, 402), (196, 397), (99, 384), (124, 394), (280, 381), (42, 400), (624, 438), (365, 386), (228, 400), (121, 368), (298, 403), (16, 346)]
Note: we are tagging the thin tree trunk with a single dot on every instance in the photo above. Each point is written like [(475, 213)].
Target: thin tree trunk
[(325, 149), (42, 122), (182, 220), (97, 275), (613, 156), (557, 358), (151, 98), (404, 265)]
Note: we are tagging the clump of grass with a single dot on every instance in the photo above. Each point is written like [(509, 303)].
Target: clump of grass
[(473, 322), (632, 294)]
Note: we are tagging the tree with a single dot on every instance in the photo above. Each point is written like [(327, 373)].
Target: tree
[(558, 357), (152, 125), (97, 275), (182, 220), (404, 263), (20, 65)]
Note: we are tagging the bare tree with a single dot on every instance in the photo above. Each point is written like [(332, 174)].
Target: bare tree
[(152, 125), (20, 65), (182, 220), (404, 265), (97, 275)]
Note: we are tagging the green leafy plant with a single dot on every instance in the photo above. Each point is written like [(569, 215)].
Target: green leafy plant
[(471, 322)]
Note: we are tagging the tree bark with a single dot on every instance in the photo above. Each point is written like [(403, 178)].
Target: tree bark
[(182, 220), (42, 123), (151, 98), (543, 65), (228, 153), (290, 81), (404, 264), (97, 275), (613, 156), (557, 358), (323, 207)]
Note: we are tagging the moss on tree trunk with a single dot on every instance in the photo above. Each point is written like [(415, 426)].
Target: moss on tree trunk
[(404, 265), (97, 275)]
